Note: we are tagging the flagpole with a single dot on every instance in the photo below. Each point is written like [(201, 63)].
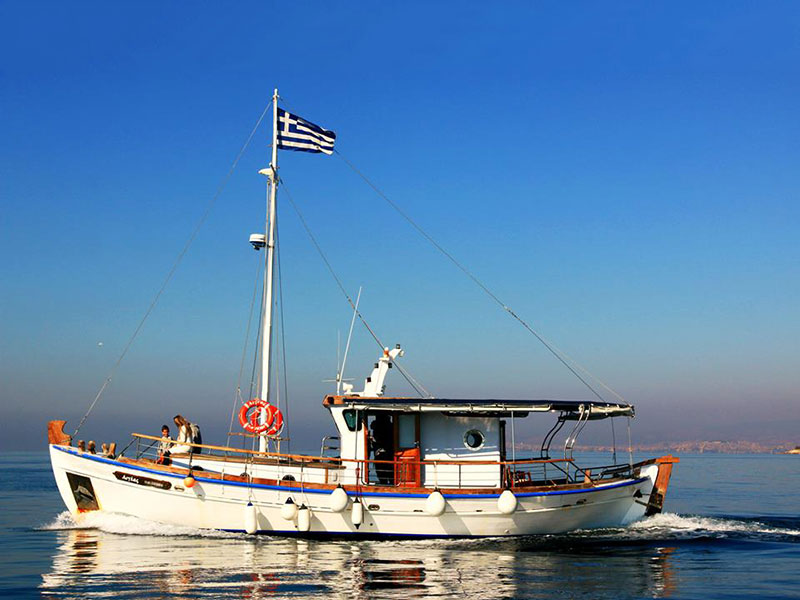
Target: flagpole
[(267, 308)]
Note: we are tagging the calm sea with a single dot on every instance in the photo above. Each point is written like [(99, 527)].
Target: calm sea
[(731, 530)]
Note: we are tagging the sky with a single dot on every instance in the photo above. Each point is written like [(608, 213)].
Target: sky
[(623, 175)]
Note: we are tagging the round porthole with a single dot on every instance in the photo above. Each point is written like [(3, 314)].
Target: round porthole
[(474, 439)]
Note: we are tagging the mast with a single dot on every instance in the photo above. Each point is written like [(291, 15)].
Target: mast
[(267, 308)]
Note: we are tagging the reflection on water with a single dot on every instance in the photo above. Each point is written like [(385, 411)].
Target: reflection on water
[(92, 563)]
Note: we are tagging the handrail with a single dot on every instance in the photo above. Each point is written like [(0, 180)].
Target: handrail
[(307, 458), (223, 448), (514, 474)]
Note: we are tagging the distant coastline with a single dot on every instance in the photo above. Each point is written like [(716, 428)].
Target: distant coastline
[(696, 447)]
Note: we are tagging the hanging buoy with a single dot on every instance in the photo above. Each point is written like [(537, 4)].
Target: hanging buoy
[(250, 518), (189, 481), (273, 423), (357, 513), (289, 510), (435, 504), (507, 502), (338, 499), (303, 518)]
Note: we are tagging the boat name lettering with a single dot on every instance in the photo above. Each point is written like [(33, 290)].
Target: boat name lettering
[(139, 480)]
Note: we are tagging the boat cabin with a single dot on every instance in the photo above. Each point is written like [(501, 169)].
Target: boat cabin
[(413, 442)]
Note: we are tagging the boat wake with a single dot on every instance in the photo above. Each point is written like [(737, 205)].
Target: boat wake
[(678, 526), (664, 529), (660, 528), (128, 525)]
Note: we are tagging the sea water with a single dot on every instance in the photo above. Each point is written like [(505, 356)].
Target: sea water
[(731, 529)]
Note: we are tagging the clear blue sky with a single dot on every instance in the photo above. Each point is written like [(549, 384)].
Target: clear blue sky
[(623, 174)]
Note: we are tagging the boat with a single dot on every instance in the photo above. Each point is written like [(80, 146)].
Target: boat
[(397, 467)]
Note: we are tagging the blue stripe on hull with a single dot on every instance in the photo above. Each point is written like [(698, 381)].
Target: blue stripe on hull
[(284, 488), (363, 535)]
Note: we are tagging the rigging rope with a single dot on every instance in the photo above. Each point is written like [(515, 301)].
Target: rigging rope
[(283, 346), (562, 356), (238, 394), (254, 371), (418, 387), (174, 268)]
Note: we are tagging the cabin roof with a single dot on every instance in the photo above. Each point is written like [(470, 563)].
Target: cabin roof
[(486, 406)]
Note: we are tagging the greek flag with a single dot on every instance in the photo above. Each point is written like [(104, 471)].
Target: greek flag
[(295, 133)]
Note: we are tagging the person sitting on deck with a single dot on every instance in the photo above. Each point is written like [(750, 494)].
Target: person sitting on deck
[(164, 446), (184, 436)]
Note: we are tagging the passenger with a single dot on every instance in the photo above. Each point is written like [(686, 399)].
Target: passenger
[(184, 436), (81, 445), (197, 437), (164, 446), (92, 447), (382, 442), (104, 449)]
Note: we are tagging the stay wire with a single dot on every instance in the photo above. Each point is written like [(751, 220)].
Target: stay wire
[(562, 357), (175, 266), (238, 394), (412, 382), (613, 441), (283, 346), (256, 355)]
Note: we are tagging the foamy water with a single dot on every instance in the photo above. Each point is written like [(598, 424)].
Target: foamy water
[(128, 525), (679, 524), (662, 527)]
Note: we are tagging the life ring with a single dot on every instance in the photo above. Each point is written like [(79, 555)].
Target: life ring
[(274, 420), (272, 425)]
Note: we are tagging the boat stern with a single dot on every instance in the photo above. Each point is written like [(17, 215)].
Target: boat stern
[(659, 471)]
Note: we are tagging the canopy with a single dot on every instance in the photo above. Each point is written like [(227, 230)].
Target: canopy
[(572, 408)]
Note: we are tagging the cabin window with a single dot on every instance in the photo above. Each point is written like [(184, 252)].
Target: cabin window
[(350, 417), (474, 439), (407, 431)]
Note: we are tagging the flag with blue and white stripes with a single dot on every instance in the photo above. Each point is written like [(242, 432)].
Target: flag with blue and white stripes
[(295, 133)]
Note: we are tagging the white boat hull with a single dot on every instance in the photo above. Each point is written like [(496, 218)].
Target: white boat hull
[(119, 487)]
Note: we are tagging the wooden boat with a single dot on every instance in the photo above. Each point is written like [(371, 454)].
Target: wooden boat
[(402, 466)]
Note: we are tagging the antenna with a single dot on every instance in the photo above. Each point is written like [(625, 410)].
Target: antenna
[(338, 357), (347, 346)]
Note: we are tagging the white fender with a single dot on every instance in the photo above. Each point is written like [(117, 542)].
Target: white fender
[(435, 505), (357, 514), (250, 518), (289, 510), (303, 518), (507, 502), (338, 500)]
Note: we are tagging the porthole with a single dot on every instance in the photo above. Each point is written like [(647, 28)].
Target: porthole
[(474, 439)]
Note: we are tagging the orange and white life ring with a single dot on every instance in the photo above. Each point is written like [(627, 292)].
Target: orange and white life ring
[(274, 420), (272, 425)]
